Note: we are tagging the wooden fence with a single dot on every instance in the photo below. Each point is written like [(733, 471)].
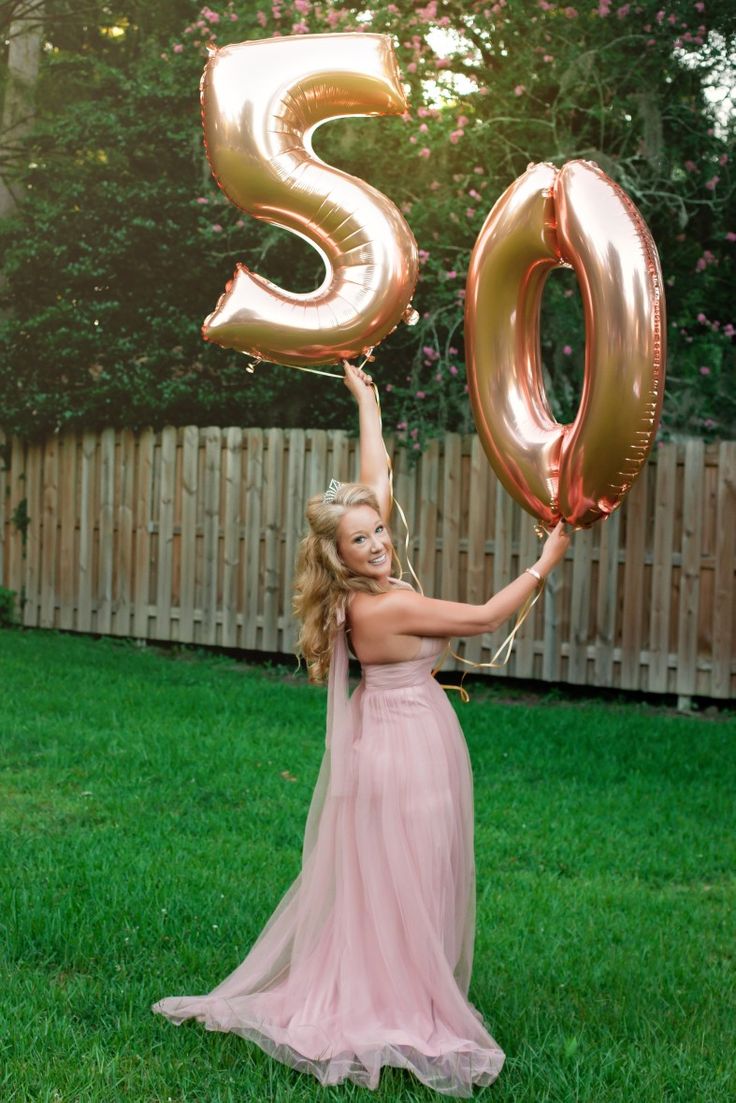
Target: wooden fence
[(190, 535)]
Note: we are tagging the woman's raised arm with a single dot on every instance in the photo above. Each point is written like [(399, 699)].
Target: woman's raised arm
[(403, 612), (373, 461)]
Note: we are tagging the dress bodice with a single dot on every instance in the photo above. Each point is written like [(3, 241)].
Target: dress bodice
[(404, 672)]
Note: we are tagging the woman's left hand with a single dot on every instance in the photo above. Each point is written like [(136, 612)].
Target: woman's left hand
[(358, 382)]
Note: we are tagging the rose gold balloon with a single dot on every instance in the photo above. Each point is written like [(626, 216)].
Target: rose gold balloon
[(580, 218), (261, 101)]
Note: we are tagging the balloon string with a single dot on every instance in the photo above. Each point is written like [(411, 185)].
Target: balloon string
[(492, 664)]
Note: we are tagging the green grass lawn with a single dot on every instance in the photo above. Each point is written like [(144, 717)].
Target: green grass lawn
[(152, 807)]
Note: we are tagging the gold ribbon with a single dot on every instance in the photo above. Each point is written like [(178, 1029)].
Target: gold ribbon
[(508, 643)]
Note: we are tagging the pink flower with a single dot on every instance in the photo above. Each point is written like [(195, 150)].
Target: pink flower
[(660, 16), (704, 370), (570, 13), (474, 194), (462, 120), (430, 353), (691, 166), (453, 369), (416, 446), (411, 67), (451, 274), (567, 350), (702, 319), (401, 425), (202, 199), (421, 394), (217, 228), (262, 18), (178, 48), (425, 152), (442, 63), (603, 8), (233, 17), (729, 330), (548, 58), (302, 6), (456, 136), (711, 184), (730, 236), (479, 170), (300, 28), (470, 212), (700, 6), (423, 256), (519, 90), (389, 386), (623, 11), (210, 15), (423, 128), (392, 9)]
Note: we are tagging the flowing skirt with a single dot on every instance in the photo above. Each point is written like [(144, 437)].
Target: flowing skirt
[(366, 961)]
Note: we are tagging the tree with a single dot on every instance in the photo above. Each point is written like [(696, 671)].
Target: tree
[(124, 242)]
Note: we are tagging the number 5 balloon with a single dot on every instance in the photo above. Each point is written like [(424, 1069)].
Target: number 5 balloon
[(579, 217), (261, 101)]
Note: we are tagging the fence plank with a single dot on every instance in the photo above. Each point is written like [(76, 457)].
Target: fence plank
[(231, 536), (606, 598), (15, 494), (581, 597), (272, 538), (107, 514), (425, 561), (692, 526), (67, 527), (503, 551), (88, 467), (124, 558), (252, 553), (143, 522), (49, 544), (188, 539), (30, 565), (477, 535), (661, 596), (211, 542), (633, 591), (295, 525), (724, 618)]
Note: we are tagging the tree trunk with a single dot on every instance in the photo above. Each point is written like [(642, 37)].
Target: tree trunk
[(24, 56)]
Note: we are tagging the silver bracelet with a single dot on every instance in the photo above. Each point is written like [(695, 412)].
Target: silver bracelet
[(535, 573)]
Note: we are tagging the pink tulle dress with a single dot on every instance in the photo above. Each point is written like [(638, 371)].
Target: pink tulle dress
[(366, 960)]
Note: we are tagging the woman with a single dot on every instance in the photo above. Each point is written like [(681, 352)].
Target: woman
[(366, 961)]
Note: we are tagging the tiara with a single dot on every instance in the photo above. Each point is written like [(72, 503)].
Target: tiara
[(332, 489)]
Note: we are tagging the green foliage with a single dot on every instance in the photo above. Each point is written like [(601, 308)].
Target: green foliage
[(124, 242), (8, 615)]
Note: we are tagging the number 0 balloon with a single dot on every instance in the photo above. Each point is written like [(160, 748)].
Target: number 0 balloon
[(579, 217), (260, 102)]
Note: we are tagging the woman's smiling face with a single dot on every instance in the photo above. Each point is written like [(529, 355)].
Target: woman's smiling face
[(364, 543)]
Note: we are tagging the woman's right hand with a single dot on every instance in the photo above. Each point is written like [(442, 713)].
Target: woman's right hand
[(357, 381), (554, 548)]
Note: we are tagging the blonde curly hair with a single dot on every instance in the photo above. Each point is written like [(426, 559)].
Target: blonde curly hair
[(323, 582)]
